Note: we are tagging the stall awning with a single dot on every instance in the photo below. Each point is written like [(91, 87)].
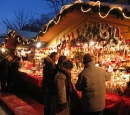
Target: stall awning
[(19, 37), (77, 14)]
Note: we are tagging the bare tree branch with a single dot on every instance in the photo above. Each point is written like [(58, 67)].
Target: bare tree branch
[(55, 5), (21, 18)]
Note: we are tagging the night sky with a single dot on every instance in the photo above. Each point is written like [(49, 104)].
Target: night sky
[(8, 7)]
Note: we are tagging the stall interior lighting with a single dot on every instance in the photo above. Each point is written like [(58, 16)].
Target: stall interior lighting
[(2, 50), (91, 43), (38, 45)]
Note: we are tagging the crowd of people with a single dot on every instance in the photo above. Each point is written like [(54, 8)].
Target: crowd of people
[(9, 72), (57, 87)]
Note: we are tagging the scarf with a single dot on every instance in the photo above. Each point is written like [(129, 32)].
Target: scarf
[(68, 80)]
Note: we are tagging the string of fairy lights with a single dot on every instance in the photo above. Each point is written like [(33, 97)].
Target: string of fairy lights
[(58, 18), (99, 5)]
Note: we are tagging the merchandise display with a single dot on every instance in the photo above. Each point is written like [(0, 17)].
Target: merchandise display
[(112, 54)]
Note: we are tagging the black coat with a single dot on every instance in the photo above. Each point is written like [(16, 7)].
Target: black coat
[(4, 64), (48, 74), (14, 67), (4, 67)]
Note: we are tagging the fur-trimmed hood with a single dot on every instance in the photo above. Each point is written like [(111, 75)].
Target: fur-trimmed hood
[(48, 60)]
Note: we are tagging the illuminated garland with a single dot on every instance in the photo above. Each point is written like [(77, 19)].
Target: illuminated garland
[(12, 33), (96, 7)]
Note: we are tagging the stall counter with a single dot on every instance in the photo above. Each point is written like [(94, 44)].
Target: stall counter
[(114, 102)]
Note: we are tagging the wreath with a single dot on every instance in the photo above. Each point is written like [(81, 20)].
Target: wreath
[(104, 34)]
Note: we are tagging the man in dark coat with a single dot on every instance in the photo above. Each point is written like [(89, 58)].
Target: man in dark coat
[(0, 68), (4, 74), (91, 81), (14, 73), (48, 77)]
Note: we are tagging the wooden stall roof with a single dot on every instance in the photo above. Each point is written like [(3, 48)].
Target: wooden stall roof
[(18, 38), (73, 16)]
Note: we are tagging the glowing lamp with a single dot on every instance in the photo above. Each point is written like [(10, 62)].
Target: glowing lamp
[(38, 44), (3, 49)]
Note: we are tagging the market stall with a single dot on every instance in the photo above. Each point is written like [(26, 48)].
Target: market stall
[(99, 29), (21, 43)]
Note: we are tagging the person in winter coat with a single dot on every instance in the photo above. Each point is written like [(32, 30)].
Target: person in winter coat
[(91, 81), (48, 72), (0, 68), (4, 74), (14, 77), (63, 89), (58, 65)]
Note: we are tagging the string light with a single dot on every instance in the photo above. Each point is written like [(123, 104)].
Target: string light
[(28, 42), (109, 11), (13, 36), (37, 39), (18, 39), (33, 40), (46, 29), (65, 7), (99, 4), (85, 10), (58, 20), (126, 16)]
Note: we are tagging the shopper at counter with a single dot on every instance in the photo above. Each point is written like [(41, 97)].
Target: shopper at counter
[(0, 68), (63, 89), (14, 74), (48, 76), (58, 65), (91, 81)]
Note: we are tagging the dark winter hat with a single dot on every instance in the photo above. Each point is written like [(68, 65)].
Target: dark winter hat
[(87, 58), (67, 64)]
